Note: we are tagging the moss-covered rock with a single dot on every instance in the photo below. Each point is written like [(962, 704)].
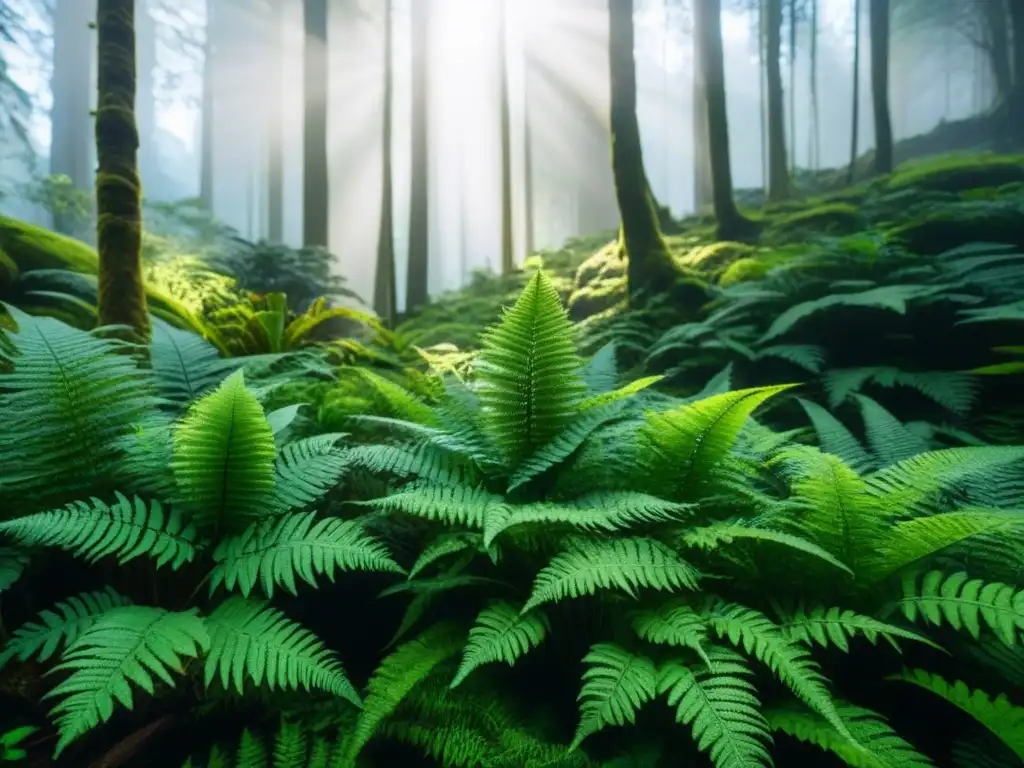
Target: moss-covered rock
[(827, 219), (959, 173), (715, 257), (965, 222)]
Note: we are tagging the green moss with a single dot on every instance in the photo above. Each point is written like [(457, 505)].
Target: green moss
[(714, 257), (743, 271), (959, 173), (964, 222), (830, 218)]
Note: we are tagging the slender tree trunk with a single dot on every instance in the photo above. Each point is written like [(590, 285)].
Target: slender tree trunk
[(531, 234), (762, 92), (855, 118), (275, 122), (1013, 130), (507, 247), (792, 88), (145, 101), (778, 168), (206, 155), (315, 170), (384, 281), (419, 193), (708, 25), (814, 160), (879, 21), (650, 268), (996, 18), (71, 123), (703, 193), (122, 294)]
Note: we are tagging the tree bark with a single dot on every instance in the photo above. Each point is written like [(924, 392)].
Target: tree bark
[(792, 89), (778, 168), (814, 159), (315, 172), (507, 245), (384, 280), (1015, 104), (703, 188), (732, 225), (416, 289), (70, 121), (855, 117), (275, 123), (122, 293), (528, 203), (879, 22), (207, 116), (995, 17), (650, 268)]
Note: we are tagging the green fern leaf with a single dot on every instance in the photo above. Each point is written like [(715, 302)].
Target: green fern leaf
[(616, 685), (880, 746), (720, 704), (624, 564), (252, 752), (712, 537), (250, 640), (835, 438), (130, 644), (13, 562), (1003, 719), (306, 470), (459, 505), (290, 746), (274, 554), (444, 545), (674, 623), (501, 633), (93, 530), (965, 603), (224, 458), (835, 627), (44, 637)]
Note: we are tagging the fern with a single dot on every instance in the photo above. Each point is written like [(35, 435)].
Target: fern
[(500, 633), (965, 604), (835, 627), (615, 686)]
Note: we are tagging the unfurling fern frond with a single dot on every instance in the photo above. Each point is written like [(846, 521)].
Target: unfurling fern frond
[(625, 564), (93, 530), (965, 604), (720, 704), (53, 628), (276, 554), (501, 633), (616, 685), (130, 644), (251, 641), (224, 458)]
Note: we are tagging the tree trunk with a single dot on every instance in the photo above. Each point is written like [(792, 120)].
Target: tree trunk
[(650, 268), (122, 294), (1015, 104), (995, 17), (70, 154), (778, 169), (879, 21), (416, 289), (145, 99), (814, 159), (703, 192), (708, 25), (531, 234), (855, 118), (206, 155), (384, 280), (315, 171), (507, 252), (275, 122), (792, 88)]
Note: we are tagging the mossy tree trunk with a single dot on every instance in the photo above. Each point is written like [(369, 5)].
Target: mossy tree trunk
[(507, 245), (732, 225), (384, 279), (778, 168), (315, 170), (650, 267), (419, 193), (879, 22), (122, 293)]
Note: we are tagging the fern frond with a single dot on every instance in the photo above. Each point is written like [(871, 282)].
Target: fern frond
[(835, 627), (457, 505), (889, 438), (444, 545), (250, 640), (307, 469), (93, 530), (674, 623), (625, 564), (130, 644), (13, 562), (296, 546), (616, 685), (398, 402), (712, 537), (501, 633), (835, 438), (42, 638), (424, 460), (965, 604), (720, 704)]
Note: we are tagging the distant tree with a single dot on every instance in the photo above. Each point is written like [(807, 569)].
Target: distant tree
[(507, 245), (207, 116), (879, 23), (122, 293), (650, 268), (778, 168), (275, 122), (855, 116), (418, 272), (315, 171), (732, 225), (384, 279)]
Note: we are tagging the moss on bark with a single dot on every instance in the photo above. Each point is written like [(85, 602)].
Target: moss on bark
[(122, 293)]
